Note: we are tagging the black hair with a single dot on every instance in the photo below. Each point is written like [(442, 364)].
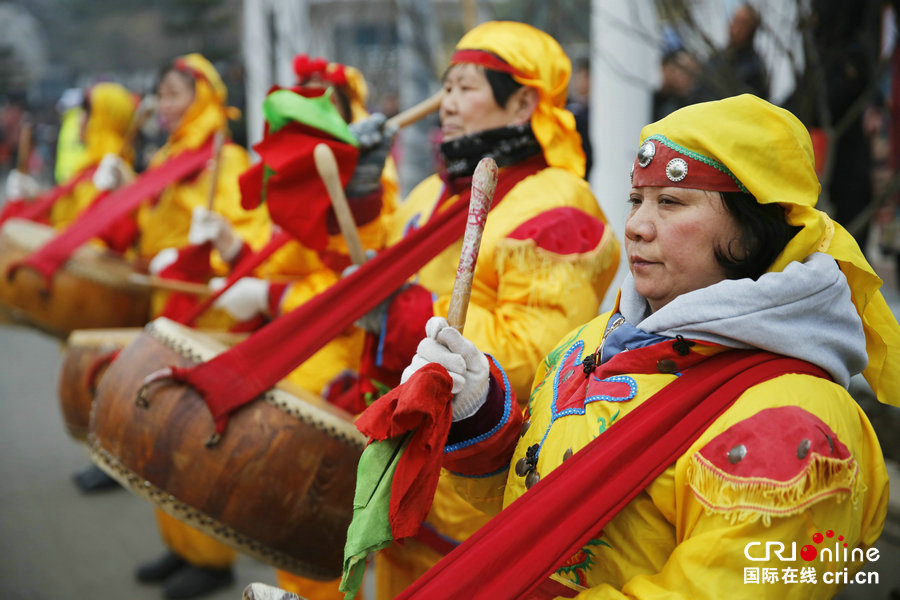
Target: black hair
[(502, 85), (343, 103), (170, 66), (763, 234)]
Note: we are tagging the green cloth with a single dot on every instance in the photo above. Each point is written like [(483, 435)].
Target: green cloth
[(284, 106), (370, 530)]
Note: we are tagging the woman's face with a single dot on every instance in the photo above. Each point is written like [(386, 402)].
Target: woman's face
[(671, 236), (468, 105), (175, 95)]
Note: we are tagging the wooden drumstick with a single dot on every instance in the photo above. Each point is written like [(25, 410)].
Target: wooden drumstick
[(327, 167), (218, 142), (24, 147), (171, 285), (484, 182), (416, 113)]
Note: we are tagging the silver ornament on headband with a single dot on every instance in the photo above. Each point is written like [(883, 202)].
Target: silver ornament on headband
[(631, 173), (646, 153), (676, 169)]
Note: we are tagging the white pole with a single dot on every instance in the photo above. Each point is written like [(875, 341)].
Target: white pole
[(624, 70), (258, 75)]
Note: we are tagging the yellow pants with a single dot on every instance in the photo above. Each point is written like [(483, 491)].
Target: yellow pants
[(192, 545), (396, 567)]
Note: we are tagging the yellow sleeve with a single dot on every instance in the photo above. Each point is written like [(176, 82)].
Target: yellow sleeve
[(302, 290), (751, 537), (254, 226), (67, 208), (538, 295)]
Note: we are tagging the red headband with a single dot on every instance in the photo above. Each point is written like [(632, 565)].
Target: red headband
[(661, 162), (486, 60), (183, 66)]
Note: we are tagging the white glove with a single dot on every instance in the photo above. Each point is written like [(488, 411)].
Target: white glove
[(244, 300), (466, 364), (21, 185), (209, 226), (112, 173), (163, 259)]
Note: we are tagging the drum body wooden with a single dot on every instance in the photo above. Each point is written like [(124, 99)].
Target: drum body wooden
[(91, 291), (87, 355), (278, 486)]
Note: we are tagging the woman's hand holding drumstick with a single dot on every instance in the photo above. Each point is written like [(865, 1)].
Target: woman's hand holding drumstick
[(444, 343)]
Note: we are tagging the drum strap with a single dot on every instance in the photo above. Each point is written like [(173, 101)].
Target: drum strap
[(519, 548), (248, 369), (109, 210), (38, 208), (243, 269)]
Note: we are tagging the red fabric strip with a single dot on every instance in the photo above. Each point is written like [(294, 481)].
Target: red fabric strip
[(516, 551), (287, 179), (110, 209), (192, 265), (249, 368), (486, 60), (39, 208), (244, 268), (239, 375), (419, 408)]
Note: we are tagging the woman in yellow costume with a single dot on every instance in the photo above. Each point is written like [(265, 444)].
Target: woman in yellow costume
[(110, 110), (783, 492), (547, 253), (296, 273), (192, 107)]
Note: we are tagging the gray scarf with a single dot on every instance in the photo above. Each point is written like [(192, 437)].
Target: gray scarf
[(804, 312)]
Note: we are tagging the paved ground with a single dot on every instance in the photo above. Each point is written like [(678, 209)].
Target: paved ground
[(58, 544)]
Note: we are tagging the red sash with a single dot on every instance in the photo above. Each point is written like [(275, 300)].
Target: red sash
[(242, 373), (515, 552), (107, 211), (38, 208), (278, 239)]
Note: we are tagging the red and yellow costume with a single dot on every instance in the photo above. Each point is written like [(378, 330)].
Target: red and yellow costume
[(165, 224), (311, 272), (299, 273), (112, 110), (547, 257), (794, 460)]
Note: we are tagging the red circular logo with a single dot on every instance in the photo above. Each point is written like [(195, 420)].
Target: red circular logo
[(808, 552)]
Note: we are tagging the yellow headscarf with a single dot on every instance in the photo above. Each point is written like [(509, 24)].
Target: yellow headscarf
[(355, 89), (539, 62), (112, 109), (769, 151), (208, 112)]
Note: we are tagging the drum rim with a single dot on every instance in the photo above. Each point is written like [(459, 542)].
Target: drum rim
[(111, 271), (199, 519), (321, 418)]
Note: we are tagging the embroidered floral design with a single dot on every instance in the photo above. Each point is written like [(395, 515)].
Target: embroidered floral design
[(572, 391), (576, 567), (604, 425)]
